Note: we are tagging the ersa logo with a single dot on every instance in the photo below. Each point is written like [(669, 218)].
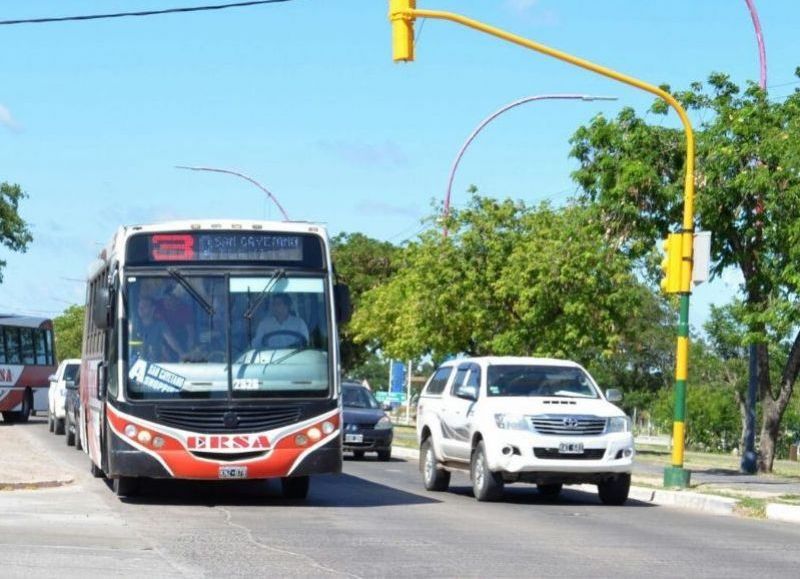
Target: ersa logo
[(228, 443)]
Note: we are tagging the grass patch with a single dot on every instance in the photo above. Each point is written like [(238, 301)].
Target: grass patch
[(750, 507)]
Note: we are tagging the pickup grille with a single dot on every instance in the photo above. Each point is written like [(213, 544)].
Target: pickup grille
[(225, 419), (572, 425), (553, 454)]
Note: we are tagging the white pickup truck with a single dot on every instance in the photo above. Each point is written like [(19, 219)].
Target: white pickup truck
[(534, 420)]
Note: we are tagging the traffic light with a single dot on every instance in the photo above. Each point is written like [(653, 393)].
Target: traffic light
[(671, 266), (402, 29)]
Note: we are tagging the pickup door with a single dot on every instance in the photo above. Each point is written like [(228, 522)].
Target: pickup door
[(457, 415)]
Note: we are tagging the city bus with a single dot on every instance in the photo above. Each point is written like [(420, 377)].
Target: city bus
[(27, 359), (211, 352)]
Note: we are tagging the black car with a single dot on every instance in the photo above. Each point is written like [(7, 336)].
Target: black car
[(72, 414), (367, 428)]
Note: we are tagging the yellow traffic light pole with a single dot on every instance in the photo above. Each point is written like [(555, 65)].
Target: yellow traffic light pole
[(402, 15)]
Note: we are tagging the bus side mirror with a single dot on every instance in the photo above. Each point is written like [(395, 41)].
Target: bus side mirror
[(344, 308), (101, 308), (101, 381)]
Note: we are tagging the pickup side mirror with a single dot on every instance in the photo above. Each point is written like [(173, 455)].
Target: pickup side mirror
[(467, 392), (70, 385), (614, 395), (51, 378)]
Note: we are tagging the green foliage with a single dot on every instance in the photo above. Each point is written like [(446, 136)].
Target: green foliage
[(362, 263), (68, 328), (509, 279), (14, 233), (748, 195)]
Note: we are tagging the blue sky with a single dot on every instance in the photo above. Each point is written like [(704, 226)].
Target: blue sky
[(304, 97)]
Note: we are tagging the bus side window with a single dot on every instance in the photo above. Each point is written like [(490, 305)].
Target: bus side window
[(12, 345), (40, 347), (2, 348), (27, 346), (51, 359)]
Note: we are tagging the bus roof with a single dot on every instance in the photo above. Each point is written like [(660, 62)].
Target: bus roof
[(116, 246), (23, 321)]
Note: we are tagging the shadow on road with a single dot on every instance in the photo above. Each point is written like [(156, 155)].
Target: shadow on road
[(342, 490), (528, 495)]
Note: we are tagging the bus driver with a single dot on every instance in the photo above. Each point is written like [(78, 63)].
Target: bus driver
[(281, 328)]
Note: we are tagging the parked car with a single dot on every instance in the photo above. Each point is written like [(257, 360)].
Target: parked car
[(533, 420), (367, 428), (56, 395), (72, 413)]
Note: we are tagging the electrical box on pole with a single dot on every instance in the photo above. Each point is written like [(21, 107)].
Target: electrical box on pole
[(402, 29), (671, 265)]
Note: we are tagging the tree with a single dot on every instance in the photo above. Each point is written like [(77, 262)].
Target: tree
[(68, 328), (14, 233), (509, 279), (748, 196), (362, 263)]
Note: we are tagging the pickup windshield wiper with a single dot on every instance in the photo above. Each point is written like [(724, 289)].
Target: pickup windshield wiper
[(187, 285), (270, 285)]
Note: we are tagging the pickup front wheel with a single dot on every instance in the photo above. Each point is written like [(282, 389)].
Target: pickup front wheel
[(433, 477), (486, 485)]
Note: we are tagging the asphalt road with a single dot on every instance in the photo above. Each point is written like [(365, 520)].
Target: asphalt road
[(374, 520)]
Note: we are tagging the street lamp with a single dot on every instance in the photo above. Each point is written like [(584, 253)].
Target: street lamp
[(489, 119), (245, 177), (749, 456)]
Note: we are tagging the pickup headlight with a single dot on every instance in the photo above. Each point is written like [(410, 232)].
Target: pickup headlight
[(383, 424), (618, 424), (511, 422)]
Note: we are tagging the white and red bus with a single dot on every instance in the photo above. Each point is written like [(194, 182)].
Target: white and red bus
[(211, 352), (27, 359)]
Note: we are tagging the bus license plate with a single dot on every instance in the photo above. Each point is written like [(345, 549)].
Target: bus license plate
[(570, 448), (354, 438), (233, 472)]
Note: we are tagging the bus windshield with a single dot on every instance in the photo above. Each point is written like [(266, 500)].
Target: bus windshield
[(217, 337)]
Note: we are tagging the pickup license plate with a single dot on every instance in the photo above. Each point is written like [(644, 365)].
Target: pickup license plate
[(233, 472), (354, 438), (570, 448)]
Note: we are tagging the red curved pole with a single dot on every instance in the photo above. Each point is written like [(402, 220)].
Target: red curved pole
[(246, 178), (489, 119), (762, 51)]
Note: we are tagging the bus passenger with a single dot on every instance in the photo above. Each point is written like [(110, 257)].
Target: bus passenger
[(154, 337), (281, 328)]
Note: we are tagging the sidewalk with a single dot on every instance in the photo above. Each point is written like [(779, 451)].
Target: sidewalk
[(24, 461), (713, 491)]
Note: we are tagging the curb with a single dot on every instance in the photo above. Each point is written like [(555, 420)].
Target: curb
[(711, 504), (35, 484), (786, 513)]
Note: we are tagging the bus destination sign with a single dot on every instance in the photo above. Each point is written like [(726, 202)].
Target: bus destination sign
[(226, 246)]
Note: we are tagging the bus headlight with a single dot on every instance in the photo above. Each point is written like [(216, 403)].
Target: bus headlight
[(327, 427), (130, 431), (618, 424)]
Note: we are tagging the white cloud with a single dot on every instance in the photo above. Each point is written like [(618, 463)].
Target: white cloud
[(7, 120), (362, 154), (533, 12)]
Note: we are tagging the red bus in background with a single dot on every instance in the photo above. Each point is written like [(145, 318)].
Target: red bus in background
[(27, 359), (211, 352)]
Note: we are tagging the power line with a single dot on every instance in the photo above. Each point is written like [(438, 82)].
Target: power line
[(141, 13)]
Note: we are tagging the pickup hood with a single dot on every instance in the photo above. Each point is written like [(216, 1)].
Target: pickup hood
[(532, 406)]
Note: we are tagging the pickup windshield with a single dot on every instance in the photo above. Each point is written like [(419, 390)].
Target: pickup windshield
[(188, 336), (539, 381)]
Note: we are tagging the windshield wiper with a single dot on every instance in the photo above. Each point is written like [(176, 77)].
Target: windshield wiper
[(187, 285), (270, 285)]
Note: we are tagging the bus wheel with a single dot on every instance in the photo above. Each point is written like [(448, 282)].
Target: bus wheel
[(125, 486), (69, 429), (10, 417), (295, 487), (27, 403), (96, 471)]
